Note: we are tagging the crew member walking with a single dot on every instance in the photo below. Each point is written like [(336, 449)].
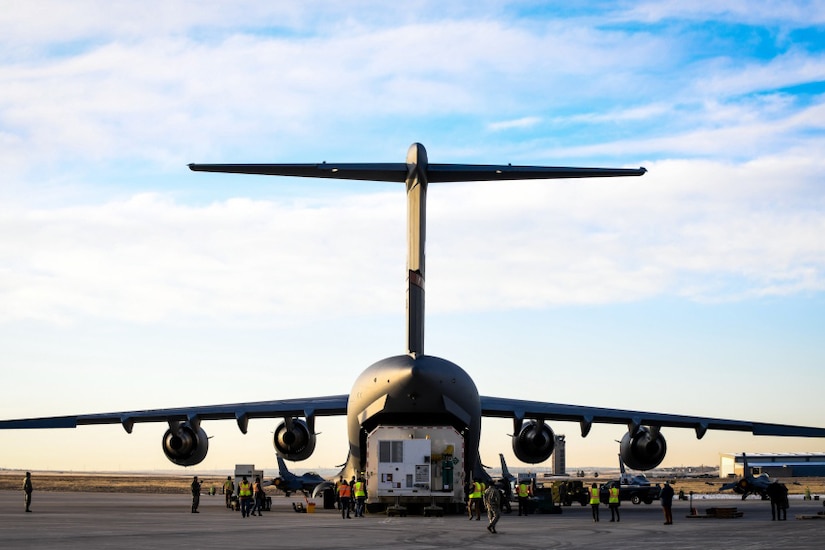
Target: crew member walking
[(196, 495), (474, 503), (492, 499), (360, 494), (257, 497), (667, 502), (228, 490), (613, 502), (344, 494), (27, 491), (244, 496), (594, 501)]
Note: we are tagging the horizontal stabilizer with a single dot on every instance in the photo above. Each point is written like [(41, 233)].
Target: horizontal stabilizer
[(398, 172)]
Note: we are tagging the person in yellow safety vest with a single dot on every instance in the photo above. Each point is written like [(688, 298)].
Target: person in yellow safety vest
[(228, 489), (360, 493), (245, 496), (613, 501), (345, 493), (594, 501), (474, 503), (523, 493)]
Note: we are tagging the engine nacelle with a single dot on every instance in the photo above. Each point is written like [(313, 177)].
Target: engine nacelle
[(643, 450), (185, 446), (294, 440), (534, 442)]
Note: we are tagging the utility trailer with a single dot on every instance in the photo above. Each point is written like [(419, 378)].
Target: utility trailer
[(419, 467)]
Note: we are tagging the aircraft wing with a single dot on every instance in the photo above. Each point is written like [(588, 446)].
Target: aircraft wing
[(586, 416), (398, 171), (240, 412)]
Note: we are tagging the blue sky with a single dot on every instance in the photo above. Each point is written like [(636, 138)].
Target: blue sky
[(128, 282)]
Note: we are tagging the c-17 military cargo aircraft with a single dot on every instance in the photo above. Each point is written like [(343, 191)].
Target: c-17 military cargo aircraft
[(414, 420)]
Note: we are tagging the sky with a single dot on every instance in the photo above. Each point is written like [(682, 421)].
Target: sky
[(128, 282)]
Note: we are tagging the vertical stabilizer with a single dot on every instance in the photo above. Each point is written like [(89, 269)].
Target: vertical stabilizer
[(416, 237), (282, 469)]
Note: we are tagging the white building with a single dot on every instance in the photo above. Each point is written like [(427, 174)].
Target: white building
[(773, 464)]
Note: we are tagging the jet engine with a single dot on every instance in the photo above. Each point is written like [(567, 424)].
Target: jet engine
[(185, 445), (643, 450), (534, 442), (294, 440)]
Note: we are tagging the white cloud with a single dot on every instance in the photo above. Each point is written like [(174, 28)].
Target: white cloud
[(704, 230)]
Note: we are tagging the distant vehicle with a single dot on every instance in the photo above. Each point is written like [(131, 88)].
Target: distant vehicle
[(749, 484), (569, 491), (293, 483)]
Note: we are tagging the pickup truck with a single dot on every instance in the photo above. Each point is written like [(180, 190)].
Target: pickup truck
[(634, 493)]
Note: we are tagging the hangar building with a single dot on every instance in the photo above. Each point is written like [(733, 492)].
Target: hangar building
[(773, 464)]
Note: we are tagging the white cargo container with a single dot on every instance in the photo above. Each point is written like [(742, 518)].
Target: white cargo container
[(415, 464)]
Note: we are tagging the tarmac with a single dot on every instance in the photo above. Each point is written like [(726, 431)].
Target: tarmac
[(135, 521)]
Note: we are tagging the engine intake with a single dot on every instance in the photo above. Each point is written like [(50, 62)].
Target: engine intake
[(294, 440), (534, 442), (643, 450), (185, 446)]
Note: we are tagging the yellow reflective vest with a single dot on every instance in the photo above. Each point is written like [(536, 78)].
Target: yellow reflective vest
[(594, 495), (478, 489), (245, 489), (523, 491), (359, 489), (614, 496)]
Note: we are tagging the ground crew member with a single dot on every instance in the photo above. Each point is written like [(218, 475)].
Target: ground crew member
[(474, 503), (345, 493), (27, 491), (257, 497), (523, 492), (360, 493), (196, 495), (245, 496), (594, 501), (613, 502), (492, 499), (337, 497), (352, 496), (667, 502), (228, 490)]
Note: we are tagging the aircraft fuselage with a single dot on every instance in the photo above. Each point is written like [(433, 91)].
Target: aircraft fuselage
[(408, 390)]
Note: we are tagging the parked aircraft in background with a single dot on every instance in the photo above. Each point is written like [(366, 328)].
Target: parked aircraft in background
[(505, 471), (749, 484), (415, 389), (508, 483), (294, 483), (629, 479)]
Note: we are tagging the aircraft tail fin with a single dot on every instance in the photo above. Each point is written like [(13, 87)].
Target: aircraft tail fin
[(621, 465), (505, 472), (283, 471)]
